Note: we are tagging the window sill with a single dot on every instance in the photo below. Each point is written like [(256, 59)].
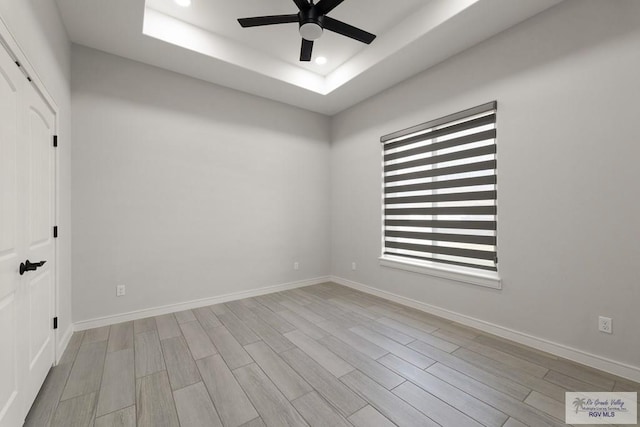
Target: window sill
[(487, 279)]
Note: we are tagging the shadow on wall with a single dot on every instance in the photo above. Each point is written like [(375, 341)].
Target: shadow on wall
[(523, 49), (129, 81)]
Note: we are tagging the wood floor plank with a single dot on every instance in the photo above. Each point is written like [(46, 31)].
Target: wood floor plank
[(197, 340), (256, 422), (283, 376), (303, 324), (495, 381), (118, 387), (369, 417), (330, 312), (567, 382), (407, 320), (148, 354), (586, 374), (498, 400), (274, 409), (366, 365), (195, 408), (181, 367), (363, 345), (546, 404), (86, 373), (96, 335), (46, 402), (391, 333), (185, 316), (241, 332), (271, 303), (458, 399), (123, 418), (325, 383), (304, 312), (391, 346), (389, 405), (233, 405), (498, 368), (71, 351), (512, 422), (219, 309), (167, 326), (434, 408), (581, 373), (452, 337), (419, 334), (273, 338), (76, 412), (276, 322), (241, 310), (230, 350), (317, 412), (120, 337), (509, 360), (349, 306), (154, 401), (206, 317), (320, 354), (526, 353), (144, 325)]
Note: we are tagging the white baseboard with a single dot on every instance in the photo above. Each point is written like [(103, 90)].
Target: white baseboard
[(62, 342), (561, 350), (187, 305)]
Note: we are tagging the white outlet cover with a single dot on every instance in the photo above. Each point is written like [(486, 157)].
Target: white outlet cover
[(605, 324)]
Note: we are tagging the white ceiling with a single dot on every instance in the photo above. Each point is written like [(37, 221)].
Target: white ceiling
[(205, 41)]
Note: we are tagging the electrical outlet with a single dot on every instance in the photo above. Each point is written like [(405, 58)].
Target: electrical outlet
[(120, 290), (605, 324), (353, 265), (296, 265)]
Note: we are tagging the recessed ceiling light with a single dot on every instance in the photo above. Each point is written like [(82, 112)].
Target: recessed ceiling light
[(183, 3), (321, 60)]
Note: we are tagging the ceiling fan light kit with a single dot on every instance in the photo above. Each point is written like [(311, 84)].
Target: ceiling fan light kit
[(312, 20)]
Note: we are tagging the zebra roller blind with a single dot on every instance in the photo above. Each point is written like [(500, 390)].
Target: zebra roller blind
[(440, 190)]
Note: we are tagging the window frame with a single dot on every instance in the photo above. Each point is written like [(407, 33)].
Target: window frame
[(469, 275)]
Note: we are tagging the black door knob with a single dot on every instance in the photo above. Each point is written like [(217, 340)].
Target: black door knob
[(30, 266)]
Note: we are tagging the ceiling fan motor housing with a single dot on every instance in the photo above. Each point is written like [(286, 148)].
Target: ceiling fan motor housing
[(311, 24)]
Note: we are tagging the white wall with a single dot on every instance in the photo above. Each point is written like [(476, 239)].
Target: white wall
[(567, 85), (37, 28), (185, 190)]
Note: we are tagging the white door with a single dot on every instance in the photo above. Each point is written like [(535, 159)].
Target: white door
[(11, 241), (38, 285), (27, 190)]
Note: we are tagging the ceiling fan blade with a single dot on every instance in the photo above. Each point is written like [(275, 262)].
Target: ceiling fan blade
[(326, 6), (347, 30), (268, 20), (306, 50), (302, 4)]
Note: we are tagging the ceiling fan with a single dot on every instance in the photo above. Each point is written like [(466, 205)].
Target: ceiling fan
[(312, 19)]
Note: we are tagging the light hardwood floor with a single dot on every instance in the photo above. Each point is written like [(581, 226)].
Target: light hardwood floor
[(323, 355)]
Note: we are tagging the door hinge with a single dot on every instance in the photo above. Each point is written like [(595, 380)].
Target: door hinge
[(55, 322), (55, 232), (55, 140)]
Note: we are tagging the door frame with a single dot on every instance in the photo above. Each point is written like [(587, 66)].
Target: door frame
[(9, 43)]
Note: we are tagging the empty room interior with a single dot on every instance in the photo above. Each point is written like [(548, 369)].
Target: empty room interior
[(319, 213)]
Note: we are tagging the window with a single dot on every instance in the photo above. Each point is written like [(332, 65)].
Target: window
[(440, 193)]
